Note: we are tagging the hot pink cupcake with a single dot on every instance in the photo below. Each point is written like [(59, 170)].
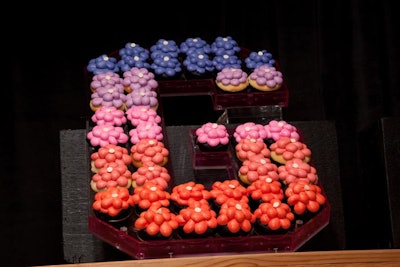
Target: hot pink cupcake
[(146, 130), (277, 129), (212, 137), (140, 114), (109, 116), (102, 135), (250, 130)]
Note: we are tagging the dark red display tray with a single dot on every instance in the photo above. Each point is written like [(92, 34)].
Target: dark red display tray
[(140, 249)]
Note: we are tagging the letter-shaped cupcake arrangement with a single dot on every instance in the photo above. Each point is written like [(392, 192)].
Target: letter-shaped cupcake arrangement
[(276, 185)]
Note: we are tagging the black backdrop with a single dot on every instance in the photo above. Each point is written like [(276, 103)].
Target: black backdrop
[(340, 60)]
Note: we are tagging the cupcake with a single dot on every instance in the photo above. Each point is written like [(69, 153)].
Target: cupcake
[(258, 59), (250, 130), (183, 193), (107, 154), (149, 150), (295, 170), (265, 78), (224, 61), (195, 45), (280, 128), (102, 64), (287, 148), (249, 147), (156, 223), (257, 168), (197, 220), (273, 217), (212, 137), (108, 96), (264, 191), (142, 97), (149, 194), (146, 130), (198, 65), (133, 56), (142, 114), (139, 78), (109, 116), (164, 47), (104, 79), (224, 45), (151, 172), (113, 174), (113, 205), (235, 218), (305, 199), (103, 135), (232, 80), (228, 189)]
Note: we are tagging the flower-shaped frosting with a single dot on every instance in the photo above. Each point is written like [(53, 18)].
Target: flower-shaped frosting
[(142, 97), (139, 114), (166, 65), (195, 45), (236, 216), (231, 76), (198, 62), (113, 174), (257, 59), (303, 196), (182, 193), (224, 45), (128, 62), (150, 171), (249, 147), (212, 134), (105, 78), (149, 150), (197, 218), (109, 116), (265, 190), (157, 220), (226, 61), (295, 170), (133, 55), (109, 153), (146, 130), (222, 191), (275, 215), (102, 135), (102, 64), (250, 130), (163, 48), (257, 168), (266, 76), (109, 96), (134, 49), (139, 78), (287, 148), (277, 129), (112, 201), (150, 194)]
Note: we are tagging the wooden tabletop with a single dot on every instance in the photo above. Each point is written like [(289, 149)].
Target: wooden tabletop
[(344, 258)]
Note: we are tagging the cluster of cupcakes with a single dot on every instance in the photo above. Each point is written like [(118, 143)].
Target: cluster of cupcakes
[(271, 160), (128, 154), (193, 57)]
